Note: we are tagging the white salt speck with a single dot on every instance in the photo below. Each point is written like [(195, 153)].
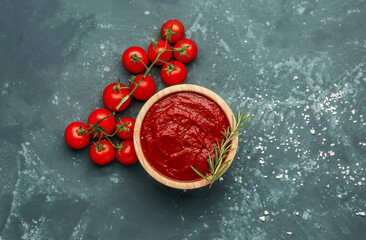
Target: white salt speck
[(353, 11), (224, 45), (331, 153), (230, 18), (295, 78), (291, 131), (55, 100), (105, 25), (353, 111), (312, 131), (146, 13), (297, 213), (266, 212), (279, 176), (363, 214), (107, 69), (114, 179), (261, 161), (262, 218), (300, 10), (289, 233)]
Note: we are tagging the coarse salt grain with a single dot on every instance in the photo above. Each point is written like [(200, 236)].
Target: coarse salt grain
[(363, 214)]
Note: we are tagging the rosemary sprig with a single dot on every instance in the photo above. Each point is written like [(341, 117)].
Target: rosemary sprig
[(217, 163)]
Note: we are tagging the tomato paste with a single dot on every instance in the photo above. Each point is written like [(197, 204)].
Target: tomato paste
[(179, 131)]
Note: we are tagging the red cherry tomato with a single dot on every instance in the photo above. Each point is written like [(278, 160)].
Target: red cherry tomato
[(74, 136), (146, 88), (185, 50), (102, 153), (112, 96), (127, 154), (174, 73), (174, 28), (156, 46), (107, 124), (134, 59), (125, 127)]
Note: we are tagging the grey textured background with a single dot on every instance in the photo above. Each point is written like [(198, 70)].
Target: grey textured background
[(297, 66)]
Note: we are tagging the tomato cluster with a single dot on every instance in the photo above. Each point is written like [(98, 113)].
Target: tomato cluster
[(102, 123), (160, 52)]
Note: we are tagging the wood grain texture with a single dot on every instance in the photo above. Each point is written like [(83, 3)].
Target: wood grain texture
[(136, 136)]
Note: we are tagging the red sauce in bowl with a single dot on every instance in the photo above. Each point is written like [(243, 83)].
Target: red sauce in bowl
[(179, 131)]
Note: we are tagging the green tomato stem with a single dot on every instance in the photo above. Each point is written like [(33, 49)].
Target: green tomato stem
[(96, 123)]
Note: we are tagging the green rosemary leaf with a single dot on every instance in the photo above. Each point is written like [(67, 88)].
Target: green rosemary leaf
[(201, 175), (219, 174), (218, 164), (210, 162), (216, 153), (241, 127)]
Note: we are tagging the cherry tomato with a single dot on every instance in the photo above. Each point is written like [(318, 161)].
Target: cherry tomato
[(74, 136), (125, 128), (185, 50), (146, 88), (134, 59), (112, 96), (127, 154), (174, 73), (102, 153), (174, 28), (107, 124), (156, 46)]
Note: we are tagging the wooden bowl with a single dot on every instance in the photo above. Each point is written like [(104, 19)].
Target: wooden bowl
[(136, 135)]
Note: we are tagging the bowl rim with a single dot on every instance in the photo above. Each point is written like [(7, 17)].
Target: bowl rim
[(145, 108)]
